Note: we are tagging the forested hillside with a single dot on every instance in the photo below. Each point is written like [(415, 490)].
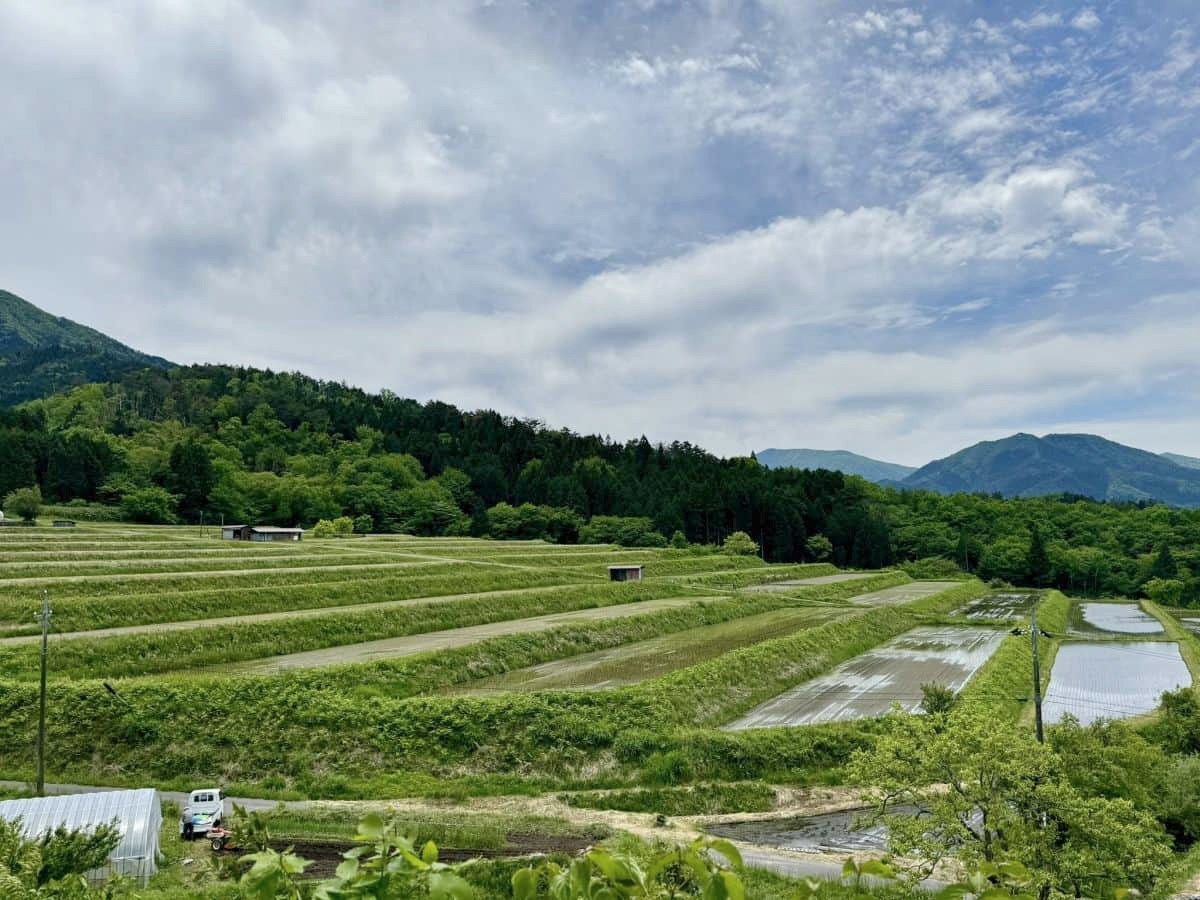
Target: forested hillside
[(1027, 466), (252, 446), (41, 353)]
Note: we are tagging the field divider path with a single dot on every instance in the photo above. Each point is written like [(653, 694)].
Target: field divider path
[(249, 618)]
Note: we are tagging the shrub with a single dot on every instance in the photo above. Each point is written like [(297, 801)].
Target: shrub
[(932, 568), (25, 502), (740, 544), (364, 524), (150, 505), (679, 541), (819, 547), (625, 531)]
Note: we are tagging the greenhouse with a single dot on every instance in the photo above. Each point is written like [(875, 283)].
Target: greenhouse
[(136, 814)]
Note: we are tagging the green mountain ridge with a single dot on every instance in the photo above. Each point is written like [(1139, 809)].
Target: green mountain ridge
[(835, 461), (43, 354), (1024, 465)]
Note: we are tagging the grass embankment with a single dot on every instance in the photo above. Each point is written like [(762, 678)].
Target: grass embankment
[(421, 674), (279, 734), (79, 610), (201, 647), (1189, 643), (1005, 682)]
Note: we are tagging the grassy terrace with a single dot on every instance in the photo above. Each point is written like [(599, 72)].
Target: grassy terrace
[(382, 666)]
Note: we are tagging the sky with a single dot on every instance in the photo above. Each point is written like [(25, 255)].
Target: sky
[(894, 229)]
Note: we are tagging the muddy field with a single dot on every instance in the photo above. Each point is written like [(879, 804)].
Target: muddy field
[(1113, 618), (1093, 681), (869, 684), (327, 854), (809, 582), (636, 662), (905, 593), (834, 832), (1001, 606)]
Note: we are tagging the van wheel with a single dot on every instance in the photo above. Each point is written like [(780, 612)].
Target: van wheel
[(218, 844)]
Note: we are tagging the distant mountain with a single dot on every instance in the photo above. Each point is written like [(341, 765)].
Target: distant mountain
[(1027, 466), (41, 354), (837, 461), (1188, 462)]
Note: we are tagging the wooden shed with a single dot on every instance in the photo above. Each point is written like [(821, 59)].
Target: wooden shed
[(260, 533), (624, 573)]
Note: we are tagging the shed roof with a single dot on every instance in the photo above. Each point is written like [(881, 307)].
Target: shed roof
[(273, 529), (137, 813), (626, 566)]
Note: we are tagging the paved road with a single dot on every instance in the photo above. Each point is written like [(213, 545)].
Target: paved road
[(408, 645)]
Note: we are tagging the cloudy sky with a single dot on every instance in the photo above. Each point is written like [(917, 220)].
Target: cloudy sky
[(893, 229)]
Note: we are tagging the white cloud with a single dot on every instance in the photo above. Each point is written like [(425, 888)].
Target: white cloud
[(747, 227)]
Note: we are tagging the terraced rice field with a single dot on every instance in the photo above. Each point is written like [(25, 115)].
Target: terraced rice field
[(433, 641), (639, 661), (131, 600), (905, 593), (789, 583), (1114, 618), (871, 683), (1112, 680), (1001, 606)]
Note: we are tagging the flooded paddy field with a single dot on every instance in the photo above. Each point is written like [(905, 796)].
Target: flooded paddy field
[(833, 832), (1001, 606), (905, 593), (1104, 680), (870, 683), (1188, 618), (1112, 618), (639, 661)]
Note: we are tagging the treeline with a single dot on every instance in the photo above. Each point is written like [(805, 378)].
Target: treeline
[(281, 448)]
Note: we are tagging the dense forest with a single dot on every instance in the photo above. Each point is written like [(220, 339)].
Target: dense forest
[(253, 446)]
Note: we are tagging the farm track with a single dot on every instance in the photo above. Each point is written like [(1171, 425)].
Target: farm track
[(409, 645)]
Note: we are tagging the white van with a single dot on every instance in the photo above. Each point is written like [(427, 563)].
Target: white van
[(205, 809)]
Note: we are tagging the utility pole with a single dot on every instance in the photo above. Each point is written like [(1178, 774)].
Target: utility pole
[(1037, 679), (41, 742)]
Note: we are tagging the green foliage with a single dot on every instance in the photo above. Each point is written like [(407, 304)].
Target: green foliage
[(627, 531), (706, 868), (52, 865), (739, 544), (151, 505), (819, 547), (992, 793), (339, 527), (1165, 591), (679, 540), (937, 699), (24, 502)]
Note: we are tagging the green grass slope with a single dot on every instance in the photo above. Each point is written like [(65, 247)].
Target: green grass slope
[(41, 354)]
